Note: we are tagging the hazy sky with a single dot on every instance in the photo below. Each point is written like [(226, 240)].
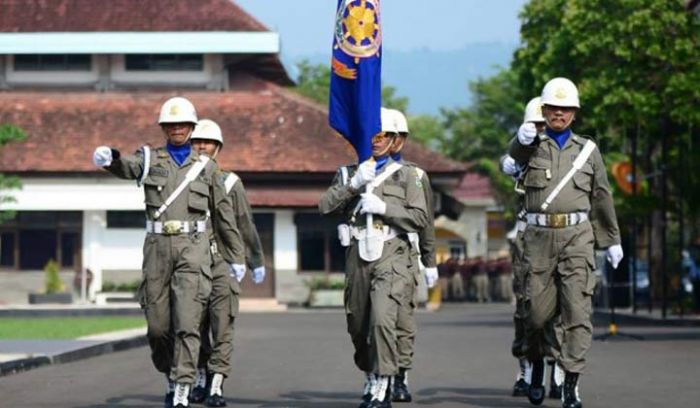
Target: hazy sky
[(306, 26)]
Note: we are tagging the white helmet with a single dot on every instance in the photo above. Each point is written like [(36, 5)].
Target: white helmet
[(401, 122), (177, 110), (207, 129), (560, 92), (388, 121), (533, 111)]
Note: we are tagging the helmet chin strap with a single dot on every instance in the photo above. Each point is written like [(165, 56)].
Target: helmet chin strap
[(387, 150), (400, 142)]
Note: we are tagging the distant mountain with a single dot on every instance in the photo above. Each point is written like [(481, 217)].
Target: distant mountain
[(434, 79)]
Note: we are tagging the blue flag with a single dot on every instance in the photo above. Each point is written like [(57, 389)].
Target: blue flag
[(356, 93)]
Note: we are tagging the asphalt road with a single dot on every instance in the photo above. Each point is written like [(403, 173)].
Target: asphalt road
[(303, 359)]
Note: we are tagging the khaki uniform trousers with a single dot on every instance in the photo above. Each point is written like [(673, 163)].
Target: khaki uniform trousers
[(175, 288), (406, 326), (559, 280), (519, 347), (217, 345), (481, 284), (374, 293)]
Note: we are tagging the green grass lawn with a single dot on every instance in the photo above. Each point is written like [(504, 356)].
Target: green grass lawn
[(64, 327)]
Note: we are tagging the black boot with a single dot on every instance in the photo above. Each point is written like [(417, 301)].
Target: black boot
[(168, 401), (555, 381), (199, 392), (570, 398), (521, 387), (367, 390), (536, 392), (400, 388)]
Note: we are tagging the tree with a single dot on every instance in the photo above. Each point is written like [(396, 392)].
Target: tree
[(484, 129), (427, 130), (481, 133), (314, 82), (8, 134)]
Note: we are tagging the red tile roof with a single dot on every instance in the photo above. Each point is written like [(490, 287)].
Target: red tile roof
[(289, 197), (473, 186), (124, 15), (267, 129)]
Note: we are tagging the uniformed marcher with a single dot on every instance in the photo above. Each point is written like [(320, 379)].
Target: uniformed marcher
[(569, 209), (181, 189), (533, 114), (424, 267), (378, 255), (216, 353)]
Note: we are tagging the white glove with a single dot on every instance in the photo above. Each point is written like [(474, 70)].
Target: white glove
[(365, 173), (370, 203), (102, 156), (527, 133), (508, 166), (237, 271), (259, 275), (614, 255), (431, 276)]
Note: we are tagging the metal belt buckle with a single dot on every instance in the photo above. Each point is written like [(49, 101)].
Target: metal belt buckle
[(558, 220), (172, 227)]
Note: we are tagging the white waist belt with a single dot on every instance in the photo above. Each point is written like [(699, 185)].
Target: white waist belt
[(556, 220), (387, 232), (175, 227)]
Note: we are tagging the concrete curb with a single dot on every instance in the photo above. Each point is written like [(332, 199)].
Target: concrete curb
[(94, 350), (646, 320)]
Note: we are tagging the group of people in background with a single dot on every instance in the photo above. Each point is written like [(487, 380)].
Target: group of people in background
[(476, 279)]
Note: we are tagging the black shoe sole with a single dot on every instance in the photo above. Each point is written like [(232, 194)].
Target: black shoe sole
[(536, 395), (402, 398)]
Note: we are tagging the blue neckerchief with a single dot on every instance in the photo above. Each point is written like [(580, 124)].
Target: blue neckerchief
[(559, 137), (396, 157), (381, 162), (179, 153)]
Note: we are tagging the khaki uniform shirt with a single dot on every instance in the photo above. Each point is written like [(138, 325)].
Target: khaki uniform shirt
[(426, 235), (588, 191), (205, 194), (403, 193), (246, 224)]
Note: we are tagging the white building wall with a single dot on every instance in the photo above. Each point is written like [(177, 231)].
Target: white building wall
[(472, 227), (289, 286)]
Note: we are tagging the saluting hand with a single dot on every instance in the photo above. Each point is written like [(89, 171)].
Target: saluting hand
[(527, 133), (102, 156)]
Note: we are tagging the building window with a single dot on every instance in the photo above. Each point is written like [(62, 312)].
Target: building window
[(7, 249), (458, 250), (53, 62), (319, 248), (164, 62), (126, 219)]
